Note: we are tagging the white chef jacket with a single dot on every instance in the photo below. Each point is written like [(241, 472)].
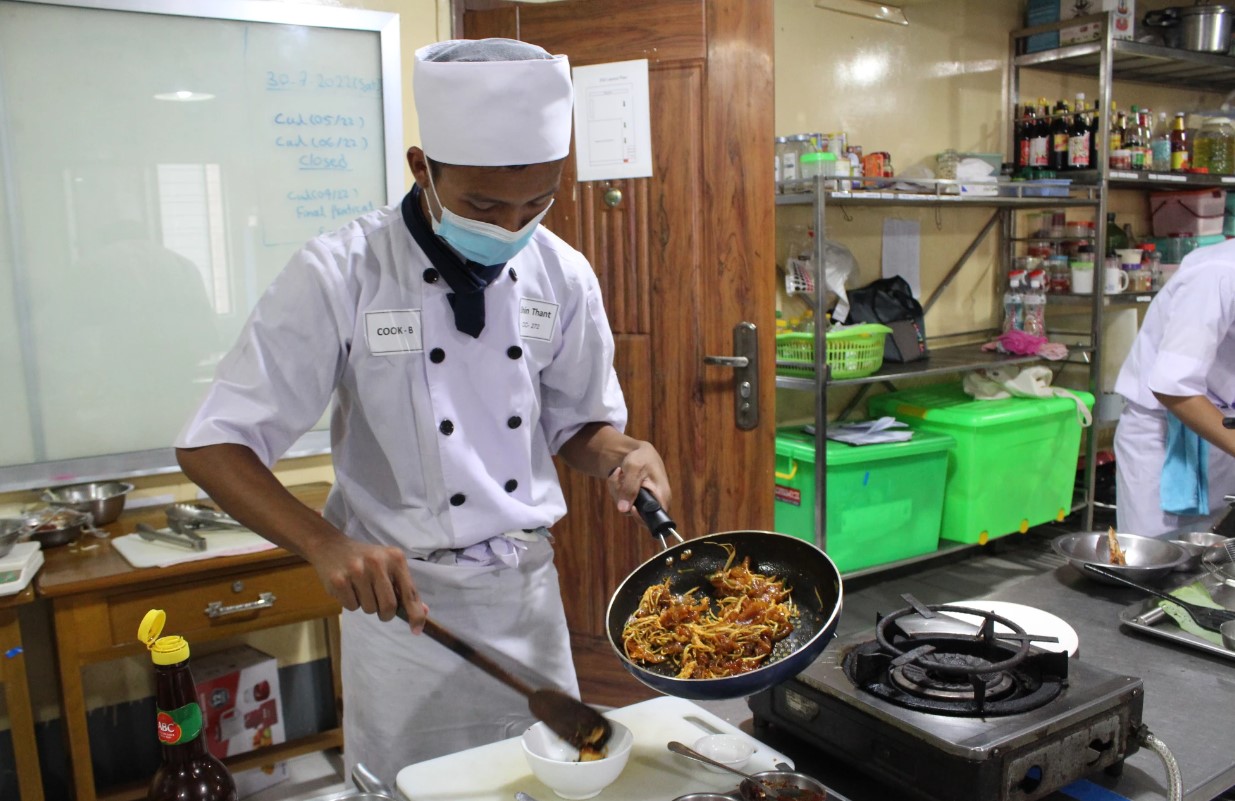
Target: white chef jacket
[(1186, 347), (439, 440)]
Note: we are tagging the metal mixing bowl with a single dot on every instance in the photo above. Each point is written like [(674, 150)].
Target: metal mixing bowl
[(782, 779), (1148, 559), (1195, 543), (104, 500), (52, 527)]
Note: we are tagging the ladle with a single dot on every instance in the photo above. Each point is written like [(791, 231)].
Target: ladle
[(568, 718), (768, 790)]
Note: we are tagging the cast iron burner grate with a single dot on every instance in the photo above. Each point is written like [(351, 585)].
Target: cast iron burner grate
[(968, 675)]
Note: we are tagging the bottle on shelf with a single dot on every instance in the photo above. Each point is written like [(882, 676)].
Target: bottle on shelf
[(1034, 304), (1132, 140), (1040, 137), (1160, 147), (1014, 303), (1060, 122), (1211, 151), (1144, 133), (1024, 133), (1180, 159), (1094, 121), (1079, 137), (188, 772), (1118, 122)]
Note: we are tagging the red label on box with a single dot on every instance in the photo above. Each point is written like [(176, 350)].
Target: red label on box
[(788, 495)]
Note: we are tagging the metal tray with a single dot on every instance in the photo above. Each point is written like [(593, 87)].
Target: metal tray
[(1146, 616)]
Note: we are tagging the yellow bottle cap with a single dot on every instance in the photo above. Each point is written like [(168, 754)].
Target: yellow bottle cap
[(170, 650)]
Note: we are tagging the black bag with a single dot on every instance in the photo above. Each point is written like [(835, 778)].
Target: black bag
[(890, 301)]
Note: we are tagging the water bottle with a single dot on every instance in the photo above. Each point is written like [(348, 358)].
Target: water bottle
[(1014, 303), (1034, 301)]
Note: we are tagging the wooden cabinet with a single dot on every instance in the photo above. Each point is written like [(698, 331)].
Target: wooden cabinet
[(97, 600)]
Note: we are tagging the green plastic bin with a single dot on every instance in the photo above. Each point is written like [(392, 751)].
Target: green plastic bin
[(885, 501), (1014, 464)]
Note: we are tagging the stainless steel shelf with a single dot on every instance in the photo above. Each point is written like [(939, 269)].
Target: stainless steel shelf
[(946, 548), (942, 361), (1132, 61), (1117, 299), (890, 198), (1130, 179)]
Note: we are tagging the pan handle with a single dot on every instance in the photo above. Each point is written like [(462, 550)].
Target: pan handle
[(653, 514)]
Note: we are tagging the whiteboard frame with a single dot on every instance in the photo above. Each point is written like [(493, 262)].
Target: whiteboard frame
[(159, 461)]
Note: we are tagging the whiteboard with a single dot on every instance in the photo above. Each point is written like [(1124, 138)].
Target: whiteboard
[(159, 164)]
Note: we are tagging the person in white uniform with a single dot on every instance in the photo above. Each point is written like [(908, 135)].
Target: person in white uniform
[(463, 345), (1182, 362)]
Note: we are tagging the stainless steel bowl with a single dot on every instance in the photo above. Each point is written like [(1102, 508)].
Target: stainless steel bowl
[(1196, 543), (104, 500), (1148, 559), (750, 791), (54, 527)]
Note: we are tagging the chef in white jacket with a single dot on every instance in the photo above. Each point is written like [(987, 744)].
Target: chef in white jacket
[(462, 345), (1182, 362)]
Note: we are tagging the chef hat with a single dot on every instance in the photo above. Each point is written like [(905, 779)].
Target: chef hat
[(492, 102)]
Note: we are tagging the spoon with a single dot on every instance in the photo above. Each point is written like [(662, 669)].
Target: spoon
[(768, 790), (568, 718)]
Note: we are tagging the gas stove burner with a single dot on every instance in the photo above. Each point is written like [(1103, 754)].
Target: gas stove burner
[(922, 681), (957, 674)]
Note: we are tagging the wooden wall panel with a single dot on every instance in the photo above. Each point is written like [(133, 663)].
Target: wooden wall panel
[(658, 30)]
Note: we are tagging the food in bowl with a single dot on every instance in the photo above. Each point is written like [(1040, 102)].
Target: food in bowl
[(808, 789), (556, 763), (102, 500), (706, 638)]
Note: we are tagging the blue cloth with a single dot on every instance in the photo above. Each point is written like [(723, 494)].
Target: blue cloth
[(1185, 473)]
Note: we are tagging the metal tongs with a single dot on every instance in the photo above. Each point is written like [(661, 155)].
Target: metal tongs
[(190, 517), (184, 539)]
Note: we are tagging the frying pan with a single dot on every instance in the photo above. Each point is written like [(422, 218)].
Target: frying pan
[(808, 572)]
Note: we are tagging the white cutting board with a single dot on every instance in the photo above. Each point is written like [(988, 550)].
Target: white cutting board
[(219, 542), (497, 771)]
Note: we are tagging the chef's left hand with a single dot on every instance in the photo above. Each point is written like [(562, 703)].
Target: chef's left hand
[(640, 467)]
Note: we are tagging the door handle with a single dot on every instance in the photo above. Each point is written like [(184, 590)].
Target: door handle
[(727, 361), (745, 365)]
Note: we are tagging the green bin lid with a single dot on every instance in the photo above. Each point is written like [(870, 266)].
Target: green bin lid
[(948, 404), (794, 442)]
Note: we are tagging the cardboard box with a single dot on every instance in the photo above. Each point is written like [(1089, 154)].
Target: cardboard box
[(238, 690), (1042, 12)]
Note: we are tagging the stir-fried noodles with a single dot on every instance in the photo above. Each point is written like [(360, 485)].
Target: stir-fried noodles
[(708, 638)]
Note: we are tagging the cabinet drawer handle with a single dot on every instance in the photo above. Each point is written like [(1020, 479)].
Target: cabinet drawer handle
[(216, 608)]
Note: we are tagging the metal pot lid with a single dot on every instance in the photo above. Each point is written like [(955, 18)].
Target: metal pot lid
[(1192, 11)]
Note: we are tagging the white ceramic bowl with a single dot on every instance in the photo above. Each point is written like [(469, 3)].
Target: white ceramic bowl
[(726, 749), (555, 762)]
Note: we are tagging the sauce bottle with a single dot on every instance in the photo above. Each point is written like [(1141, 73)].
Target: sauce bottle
[(189, 772), (1179, 145)]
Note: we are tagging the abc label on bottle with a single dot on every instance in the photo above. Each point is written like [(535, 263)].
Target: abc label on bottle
[(180, 725)]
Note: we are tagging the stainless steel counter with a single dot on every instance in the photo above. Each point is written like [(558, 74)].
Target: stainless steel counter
[(1189, 697)]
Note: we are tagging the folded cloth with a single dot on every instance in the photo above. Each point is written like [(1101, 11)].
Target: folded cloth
[(1034, 381), (1184, 489), (870, 432), (504, 549), (1019, 343)]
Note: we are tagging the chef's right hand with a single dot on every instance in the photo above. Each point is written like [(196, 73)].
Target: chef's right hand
[(374, 578)]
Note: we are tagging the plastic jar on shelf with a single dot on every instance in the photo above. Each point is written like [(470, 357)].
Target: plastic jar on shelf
[(796, 146), (780, 155)]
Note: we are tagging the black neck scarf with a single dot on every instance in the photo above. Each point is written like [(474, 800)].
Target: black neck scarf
[(467, 279)]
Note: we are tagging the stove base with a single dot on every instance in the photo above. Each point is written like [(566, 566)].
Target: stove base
[(896, 758)]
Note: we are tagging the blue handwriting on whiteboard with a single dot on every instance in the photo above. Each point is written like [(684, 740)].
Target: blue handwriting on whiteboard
[(323, 142), (324, 120), (319, 161), (300, 80), (330, 193)]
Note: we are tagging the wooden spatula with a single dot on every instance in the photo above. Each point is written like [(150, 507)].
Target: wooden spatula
[(572, 720)]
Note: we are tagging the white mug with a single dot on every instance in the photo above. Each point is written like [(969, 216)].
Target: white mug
[(1116, 280), (1082, 280)]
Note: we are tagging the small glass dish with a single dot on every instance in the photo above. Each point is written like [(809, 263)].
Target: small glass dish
[(727, 749)]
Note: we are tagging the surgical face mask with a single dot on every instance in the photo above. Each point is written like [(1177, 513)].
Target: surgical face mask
[(481, 242)]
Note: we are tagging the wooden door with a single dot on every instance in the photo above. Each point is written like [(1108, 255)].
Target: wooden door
[(685, 256)]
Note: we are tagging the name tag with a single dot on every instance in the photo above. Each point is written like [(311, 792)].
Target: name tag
[(394, 331), (536, 319)]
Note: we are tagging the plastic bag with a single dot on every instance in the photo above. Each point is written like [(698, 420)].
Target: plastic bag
[(890, 301), (1034, 381)]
